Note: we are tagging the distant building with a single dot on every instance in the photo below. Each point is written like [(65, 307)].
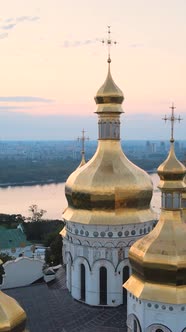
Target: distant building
[(162, 147), (14, 243)]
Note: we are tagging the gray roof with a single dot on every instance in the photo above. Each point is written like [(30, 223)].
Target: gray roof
[(52, 309)]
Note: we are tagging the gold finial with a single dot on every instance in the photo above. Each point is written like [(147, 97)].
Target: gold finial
[(109, 42), (172, 119), (83, 139)]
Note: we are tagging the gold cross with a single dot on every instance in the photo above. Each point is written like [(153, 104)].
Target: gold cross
[(109, 43), (83, 139), (172, 119)]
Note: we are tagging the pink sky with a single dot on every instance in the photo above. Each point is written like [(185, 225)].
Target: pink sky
[(50, 50)]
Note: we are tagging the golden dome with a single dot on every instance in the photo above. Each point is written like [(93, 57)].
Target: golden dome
[(158, 260), (109, 189), (12, 316), (109, 93), (171, 172)]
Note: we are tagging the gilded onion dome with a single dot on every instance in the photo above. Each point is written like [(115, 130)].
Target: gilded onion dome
[(109, 93), (109, 189), (12, 316), (171, 172), (158, 260)]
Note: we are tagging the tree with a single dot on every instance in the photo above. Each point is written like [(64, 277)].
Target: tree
[(53, 254), (36, 212)]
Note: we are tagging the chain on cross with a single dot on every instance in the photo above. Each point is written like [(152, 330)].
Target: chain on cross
[(83, 139), (172, 119), (109, 42)]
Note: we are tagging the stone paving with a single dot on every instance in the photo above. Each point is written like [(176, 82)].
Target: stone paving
[(52, 309)]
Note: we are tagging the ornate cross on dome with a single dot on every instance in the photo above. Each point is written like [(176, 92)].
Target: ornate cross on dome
[(109, 42), (83, 139), (172, 119)]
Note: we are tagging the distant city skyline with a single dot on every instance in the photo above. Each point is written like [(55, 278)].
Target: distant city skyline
[(20, 126), (52, 64)]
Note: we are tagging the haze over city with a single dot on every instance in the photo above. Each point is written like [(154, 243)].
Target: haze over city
[(53, 62)]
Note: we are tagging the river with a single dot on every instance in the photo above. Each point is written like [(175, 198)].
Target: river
[(50, 197)]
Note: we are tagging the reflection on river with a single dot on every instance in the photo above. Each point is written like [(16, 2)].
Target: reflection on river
[(49, 197)]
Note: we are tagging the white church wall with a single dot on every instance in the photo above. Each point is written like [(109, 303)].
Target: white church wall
[(98, 246), (135, 307), (156, 315), (168, 315)]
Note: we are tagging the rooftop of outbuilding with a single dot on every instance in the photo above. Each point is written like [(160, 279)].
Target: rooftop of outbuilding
[(50, 308)]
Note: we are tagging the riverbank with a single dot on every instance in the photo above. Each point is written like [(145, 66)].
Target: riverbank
[(43, 182), (49, 197), (29, 183)]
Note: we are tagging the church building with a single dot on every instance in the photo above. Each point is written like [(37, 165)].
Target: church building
[(108, 210), (157, 286)]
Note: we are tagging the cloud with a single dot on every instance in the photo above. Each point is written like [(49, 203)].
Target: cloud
[(136, 45), (8, 20), (9, 108), (3, 35), (78, 43), (12, 23), (27, 18), (25, 99), (8, 26)]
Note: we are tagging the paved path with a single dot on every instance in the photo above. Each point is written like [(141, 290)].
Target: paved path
[(52, 309)]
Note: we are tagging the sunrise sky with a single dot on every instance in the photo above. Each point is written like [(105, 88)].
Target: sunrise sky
[(52, 63)]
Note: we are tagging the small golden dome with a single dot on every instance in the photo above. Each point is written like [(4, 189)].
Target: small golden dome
[(83, 161), (109, 93), (12, 316), (109, 189), (171, 172)]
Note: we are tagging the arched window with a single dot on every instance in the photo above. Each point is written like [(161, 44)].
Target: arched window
[(135, 326), (158, 328), (82, 281), (125, 278), (103, 285), (133, 323), (176, 201), (169, 201)]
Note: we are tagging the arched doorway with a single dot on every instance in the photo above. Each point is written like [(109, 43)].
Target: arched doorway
[(125, 278), (103, 285), (82, 281)]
